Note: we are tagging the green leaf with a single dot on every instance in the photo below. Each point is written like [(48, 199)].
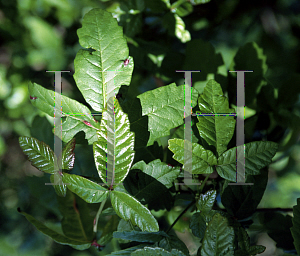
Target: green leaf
[(195, 2), (165, 109), (206, 201), (175, 25), (76, 113), (39, 154), (57, 237), (296, 226), (68, 156), (101, 33), (73, 224), (128, 208), (89, 191), (215, 130), (162, 172), (202, 159), (258, 154), (173, 242), (123, 142), (148, 190), (142, 237), (198, 225), (218, 239), (149, 251), (182, 8)]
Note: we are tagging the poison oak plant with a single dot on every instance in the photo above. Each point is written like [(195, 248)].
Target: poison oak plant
[(137, 188)]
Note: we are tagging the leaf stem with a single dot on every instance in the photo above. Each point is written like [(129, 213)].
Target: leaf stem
[(97, 215), (203, 183), (180, 215)]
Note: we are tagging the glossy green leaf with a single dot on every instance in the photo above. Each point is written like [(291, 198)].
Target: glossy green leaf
[(162, 172), (206, 201), (296, 226), (89, 191), (215, 130), (59, 186), (165, 109), (218, 239), (68, 155), (128, 208), (258, 154), (149, 251), (39, 154), (148, 190), (123, 147), (101, 33), (202, 159), (143, 237), (76, 113), (57, 237)]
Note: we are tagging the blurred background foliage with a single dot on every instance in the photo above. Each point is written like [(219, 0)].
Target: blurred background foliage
[(40, 35)]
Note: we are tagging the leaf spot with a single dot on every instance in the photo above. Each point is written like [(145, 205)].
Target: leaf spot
[(33, 98), (126, 62)]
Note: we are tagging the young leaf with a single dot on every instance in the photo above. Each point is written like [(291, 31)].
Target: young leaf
[(258, 154), (39, 154), (206, 201), (57, 237), (215, 130), (73, 123), (128, 208), (164, 173), (149, 251), (68, 156), (165, 109), (123, 147), (101, 33), (218, 238), (202, 159), (89, 191)]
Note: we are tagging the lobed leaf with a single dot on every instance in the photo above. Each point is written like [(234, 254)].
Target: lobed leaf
[(215, 130), (165, 109), (202, 159), (258, 154), (218, 239), (101, 33), (76, 113)]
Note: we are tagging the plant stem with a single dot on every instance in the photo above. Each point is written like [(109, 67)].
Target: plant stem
[(203, 184), (180, 215), (97, 215)]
